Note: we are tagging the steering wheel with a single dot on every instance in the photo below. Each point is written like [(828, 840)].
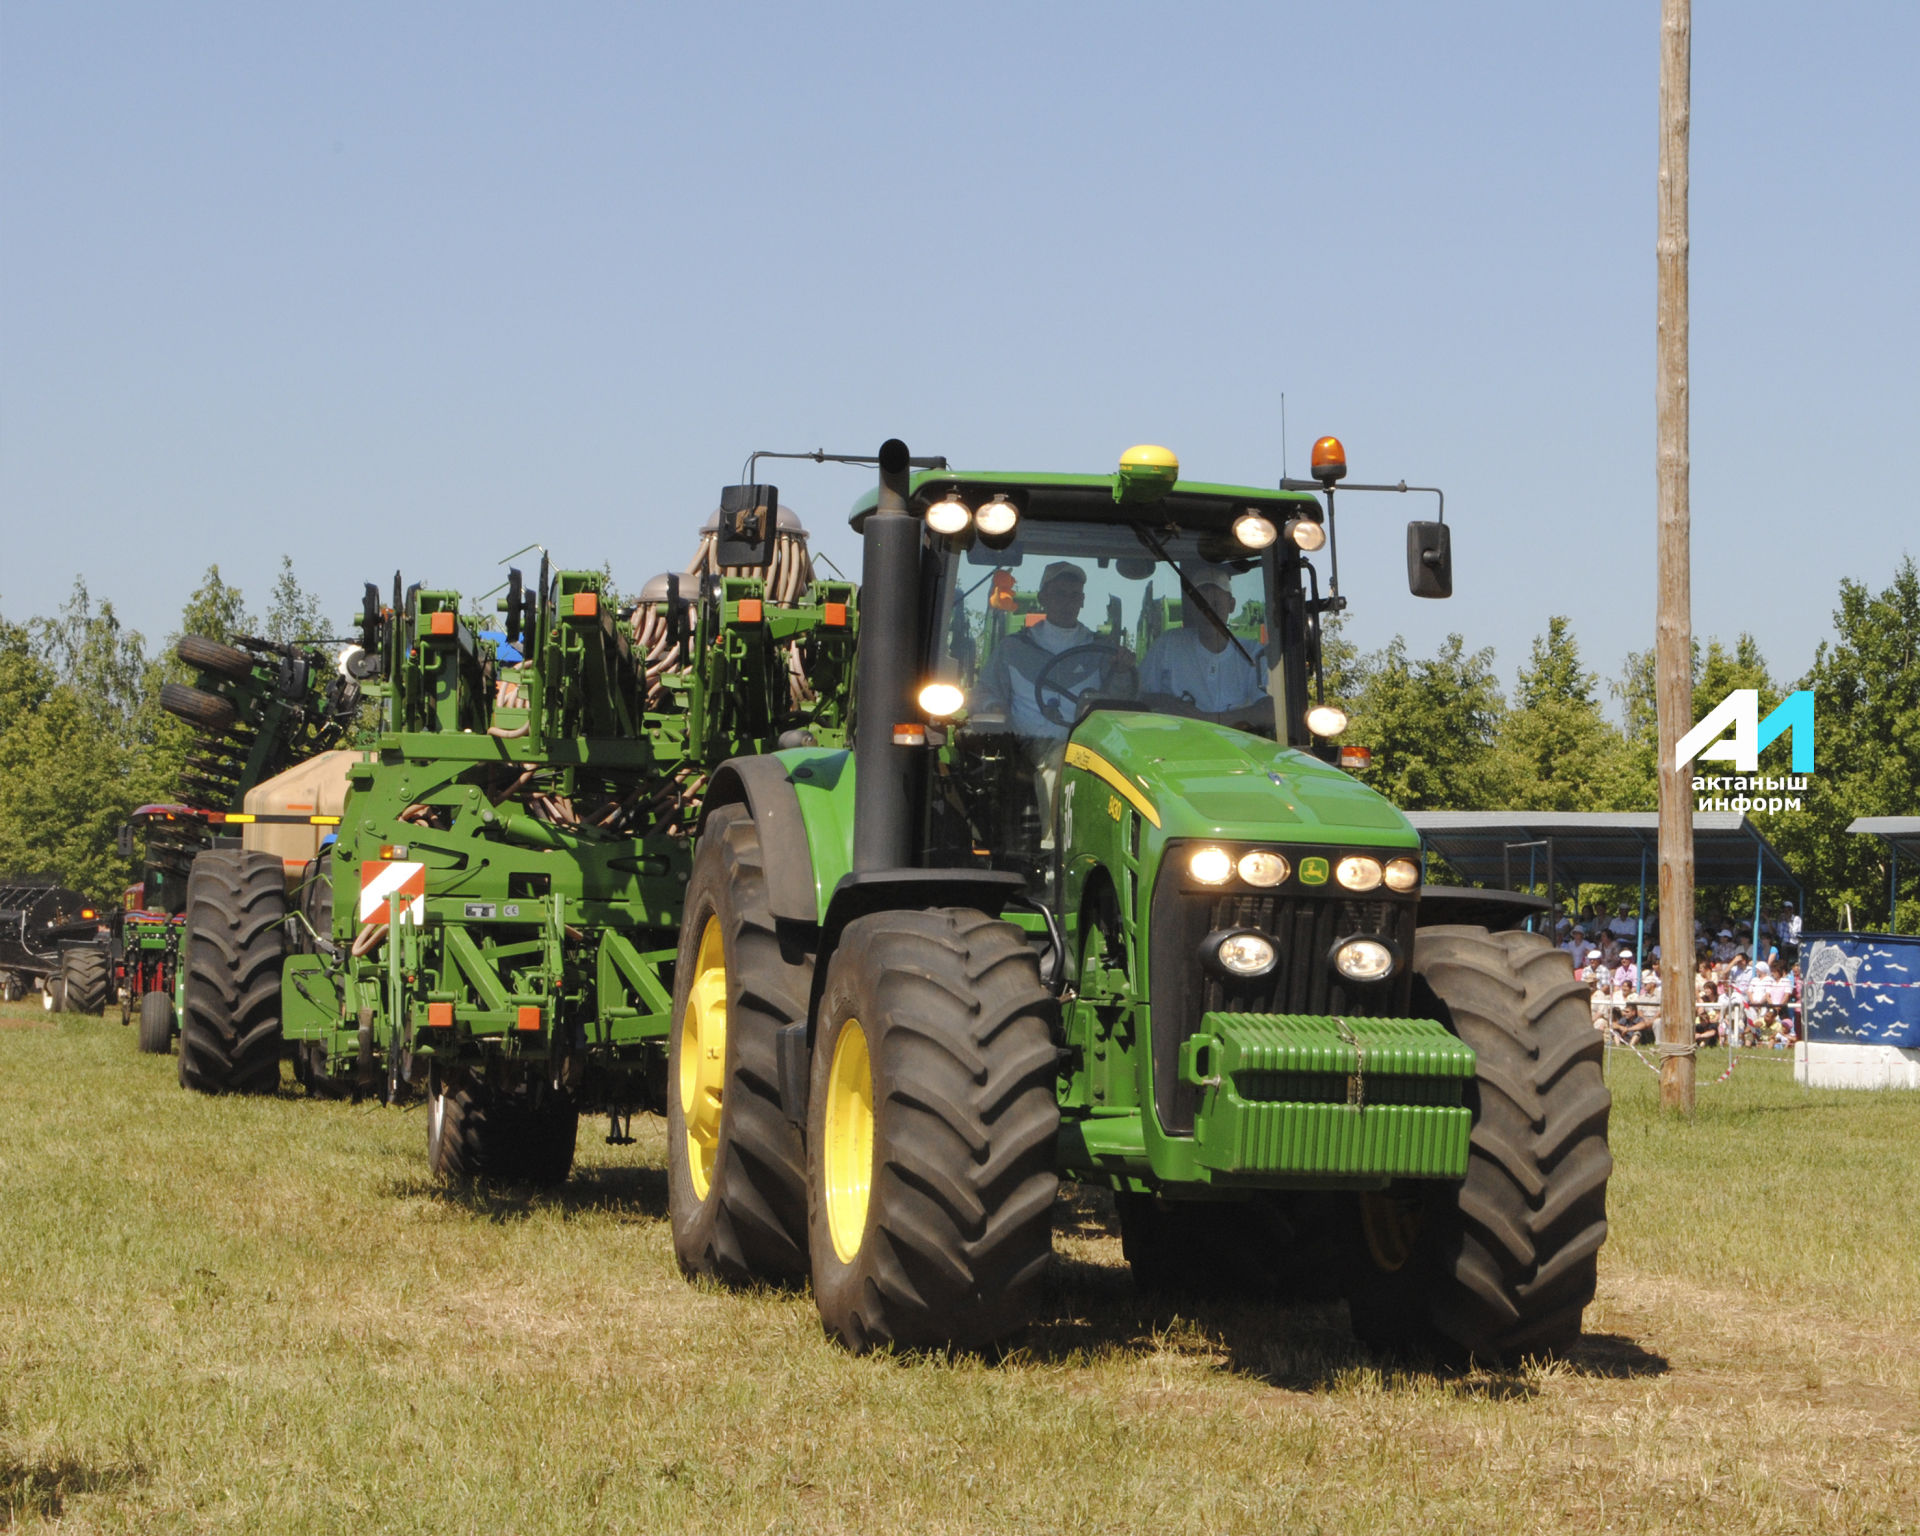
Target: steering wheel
[(1083, 670)]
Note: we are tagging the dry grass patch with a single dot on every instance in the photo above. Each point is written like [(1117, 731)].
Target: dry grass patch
[(225, 1315)]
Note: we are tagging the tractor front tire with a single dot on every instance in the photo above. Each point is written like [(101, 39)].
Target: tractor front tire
[(478, 1132), (86, 976), (1502, 1264), (932, 1124), (235, 947), (736, 1165), (156, 1024)]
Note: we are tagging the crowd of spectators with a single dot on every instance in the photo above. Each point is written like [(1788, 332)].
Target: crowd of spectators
[(1738, 999)]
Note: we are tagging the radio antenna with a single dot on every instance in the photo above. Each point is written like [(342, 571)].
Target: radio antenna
[(1283, 434)]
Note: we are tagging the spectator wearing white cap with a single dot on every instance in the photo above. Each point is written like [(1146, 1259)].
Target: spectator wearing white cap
[(1201, 663), (1626, 979), (1789, 929)]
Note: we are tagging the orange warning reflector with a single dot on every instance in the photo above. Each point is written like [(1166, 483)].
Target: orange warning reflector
[(749, 610), (440, 623), (911, 734), (586, 605), (86, 911), (1355, 759), (439, 1015), (835, 616), (528, 1017)]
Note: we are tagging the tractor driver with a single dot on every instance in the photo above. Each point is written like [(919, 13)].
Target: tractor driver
[(1007, 686), (1201, 664), (1006, 682)]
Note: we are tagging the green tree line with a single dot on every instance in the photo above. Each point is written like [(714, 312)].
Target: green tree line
[(83, 740)]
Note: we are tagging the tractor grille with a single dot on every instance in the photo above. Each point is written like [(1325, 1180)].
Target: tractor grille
[(1303, 927)]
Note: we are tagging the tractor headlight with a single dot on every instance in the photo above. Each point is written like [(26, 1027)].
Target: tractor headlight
[(940, 700), (1243, 953), (950, 516), (1254, 531), (1402, 875), (1363, 959), (1210, 866), (1307, 535), (1358, 873), (1262, 867), (997, 518), (1326, 719)]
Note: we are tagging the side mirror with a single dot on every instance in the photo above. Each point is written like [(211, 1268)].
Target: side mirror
[(749, 519), (124, 844), (1429, 560)]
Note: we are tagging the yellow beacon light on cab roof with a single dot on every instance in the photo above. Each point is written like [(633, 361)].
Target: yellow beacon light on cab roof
[(1147, 472)]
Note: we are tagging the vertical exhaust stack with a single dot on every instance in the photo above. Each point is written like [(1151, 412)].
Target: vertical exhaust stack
[(886, 789)]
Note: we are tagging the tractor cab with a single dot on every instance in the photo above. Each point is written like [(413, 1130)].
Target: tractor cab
[(168, 836), (1048, 598)]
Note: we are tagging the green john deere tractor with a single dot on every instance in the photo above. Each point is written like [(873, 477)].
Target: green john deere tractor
[(1095, 900)]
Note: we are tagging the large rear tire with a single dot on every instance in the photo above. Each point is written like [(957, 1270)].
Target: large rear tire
[(156, 1024), (932, 1125), (86, 974), (1502, 1264), (235, 947), (736, 1165), (206, 655)]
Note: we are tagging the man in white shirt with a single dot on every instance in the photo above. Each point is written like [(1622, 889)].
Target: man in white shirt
[(1623, 925), (1006, 682), (1200, 663)]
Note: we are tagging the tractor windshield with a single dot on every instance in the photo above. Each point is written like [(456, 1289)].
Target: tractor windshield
[(1072, 615), (1075, 614)]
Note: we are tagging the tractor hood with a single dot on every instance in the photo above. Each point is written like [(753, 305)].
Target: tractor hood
[(1193, 778)]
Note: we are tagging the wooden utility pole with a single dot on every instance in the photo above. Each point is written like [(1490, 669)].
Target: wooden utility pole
[(1673, 641)]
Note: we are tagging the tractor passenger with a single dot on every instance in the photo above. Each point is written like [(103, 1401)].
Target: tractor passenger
[(1201, 663)]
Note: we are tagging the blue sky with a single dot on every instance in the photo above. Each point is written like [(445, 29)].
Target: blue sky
[(415, 284)]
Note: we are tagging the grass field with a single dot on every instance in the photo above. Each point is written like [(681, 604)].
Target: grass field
[(260, 1316)]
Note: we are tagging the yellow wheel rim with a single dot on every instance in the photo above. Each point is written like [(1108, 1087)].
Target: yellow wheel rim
[(1391, 1225), (847, 1139), (703, 1057)]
